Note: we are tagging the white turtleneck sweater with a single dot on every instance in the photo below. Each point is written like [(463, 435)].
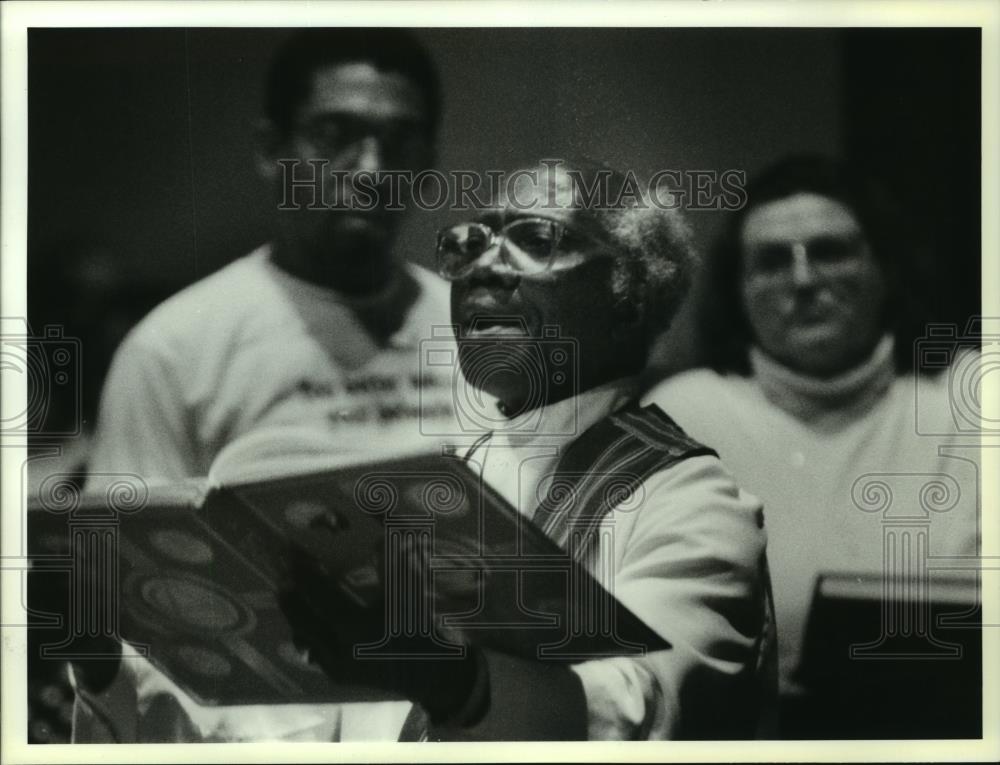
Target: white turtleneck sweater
[(802, 444)]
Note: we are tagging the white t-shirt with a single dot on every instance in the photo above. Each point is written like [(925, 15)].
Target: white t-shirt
[(252, 348)]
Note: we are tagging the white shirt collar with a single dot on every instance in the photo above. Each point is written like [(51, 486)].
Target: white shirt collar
[(518, 459), (561, 422)]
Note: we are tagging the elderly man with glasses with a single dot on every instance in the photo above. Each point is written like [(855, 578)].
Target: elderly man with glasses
[(540, 276)]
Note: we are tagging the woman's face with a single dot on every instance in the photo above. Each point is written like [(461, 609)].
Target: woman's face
[(811, 287)]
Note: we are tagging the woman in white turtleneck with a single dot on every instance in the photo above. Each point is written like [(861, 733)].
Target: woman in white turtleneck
[(806, 398)]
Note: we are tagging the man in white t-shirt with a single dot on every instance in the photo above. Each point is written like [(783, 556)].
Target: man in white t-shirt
[(319, 329), (320, 326)]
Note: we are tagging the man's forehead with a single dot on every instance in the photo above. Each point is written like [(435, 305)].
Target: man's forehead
[(541, 192), (360, 88), (498, 216), (551, 182)]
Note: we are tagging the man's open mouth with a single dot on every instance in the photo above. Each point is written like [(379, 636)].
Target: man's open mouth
[(496, 326)]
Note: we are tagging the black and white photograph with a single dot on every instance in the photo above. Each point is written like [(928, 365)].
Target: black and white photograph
[(385, 379)]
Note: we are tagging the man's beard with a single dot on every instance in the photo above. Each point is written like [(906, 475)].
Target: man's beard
[(353, 254)]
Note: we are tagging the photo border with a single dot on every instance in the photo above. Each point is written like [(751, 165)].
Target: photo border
[(17, 17)]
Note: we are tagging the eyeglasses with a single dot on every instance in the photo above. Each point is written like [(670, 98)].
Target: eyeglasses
[(827, 255), (527, 245)]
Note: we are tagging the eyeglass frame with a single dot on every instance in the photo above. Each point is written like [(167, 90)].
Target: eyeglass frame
[(416, 135), (499, 238), (857, 247)]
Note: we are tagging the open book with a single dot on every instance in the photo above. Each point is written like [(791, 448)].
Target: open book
[(200, 568)]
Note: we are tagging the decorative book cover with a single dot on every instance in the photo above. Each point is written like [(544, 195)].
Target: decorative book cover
[(199, 574)]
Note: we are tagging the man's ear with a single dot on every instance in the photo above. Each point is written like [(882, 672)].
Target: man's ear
[(267, 148), (629, 318), (630, 307)]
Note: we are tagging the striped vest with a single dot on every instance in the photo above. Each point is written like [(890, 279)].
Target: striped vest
[(604, 466)]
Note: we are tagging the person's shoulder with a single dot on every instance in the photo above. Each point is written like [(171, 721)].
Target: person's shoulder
[(690, 379), (707, 473), (433, 305), (696, 387), (707, 405), (943, 400), (432, 286), (236, 284), (700, 490), (218, 299)]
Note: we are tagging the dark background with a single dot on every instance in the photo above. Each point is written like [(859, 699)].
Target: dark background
[(141, 144)]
